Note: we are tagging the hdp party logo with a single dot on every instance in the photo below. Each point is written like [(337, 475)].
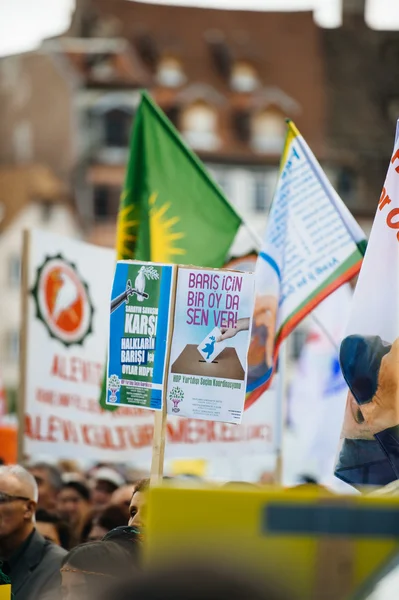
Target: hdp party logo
[(62, 301), (176, 395)]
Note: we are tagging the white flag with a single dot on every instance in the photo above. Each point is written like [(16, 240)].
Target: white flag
[(369, 354)]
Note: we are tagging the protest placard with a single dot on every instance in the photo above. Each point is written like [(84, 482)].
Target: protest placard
[(310, 543), (211, 335), (65, 310), (60, 383), (5, 592), (139, 333)]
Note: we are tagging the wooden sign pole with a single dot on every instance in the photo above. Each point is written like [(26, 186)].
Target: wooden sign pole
[(23, 359), (281, 404), (158, 445), (160, 417)]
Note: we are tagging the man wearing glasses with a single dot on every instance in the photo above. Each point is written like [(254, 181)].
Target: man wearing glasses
[(31, 562)]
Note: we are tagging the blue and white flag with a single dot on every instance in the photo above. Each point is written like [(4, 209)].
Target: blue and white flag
[(312, 246)]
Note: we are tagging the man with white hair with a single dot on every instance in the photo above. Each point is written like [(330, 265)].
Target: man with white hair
[(31, 562)]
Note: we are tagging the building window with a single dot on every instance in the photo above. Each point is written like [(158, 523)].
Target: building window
[(12, 345), (104, 69), (223, 182), (260, 195), (101, 208), (242, 125), (106, 202), (268, 132), (222, 179), (244, 77), (117, 127), (170, 72), (173, 112), (22, 139), (346, 185), (14, 271), (200, 126), (393, 109)]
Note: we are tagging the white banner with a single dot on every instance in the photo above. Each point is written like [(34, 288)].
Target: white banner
[(67, 298), (66, 295), (212, 441), (369, 453)]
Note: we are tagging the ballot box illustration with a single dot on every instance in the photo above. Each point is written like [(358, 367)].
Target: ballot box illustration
[(210, 340), (226, 365)]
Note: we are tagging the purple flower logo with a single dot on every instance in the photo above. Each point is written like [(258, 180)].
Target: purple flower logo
[(176, 395)]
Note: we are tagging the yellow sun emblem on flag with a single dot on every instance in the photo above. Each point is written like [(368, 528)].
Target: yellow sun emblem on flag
[(163, 229), (164, 234), (126, 229)]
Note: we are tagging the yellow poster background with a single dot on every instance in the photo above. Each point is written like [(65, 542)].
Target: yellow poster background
[(314, 544), (5, 592)]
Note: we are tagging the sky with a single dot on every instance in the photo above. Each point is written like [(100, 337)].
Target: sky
[(24, 23)]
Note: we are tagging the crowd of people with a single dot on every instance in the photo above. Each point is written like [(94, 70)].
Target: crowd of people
[(72, 535), (60, 529), (67, 535)]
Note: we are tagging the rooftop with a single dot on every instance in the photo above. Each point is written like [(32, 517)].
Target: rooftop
[(276, 55)]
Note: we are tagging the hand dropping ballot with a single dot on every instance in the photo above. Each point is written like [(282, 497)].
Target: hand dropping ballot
[(210, 348), (208, 380)]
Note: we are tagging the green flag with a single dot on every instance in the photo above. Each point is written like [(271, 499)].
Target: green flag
[(170, 203), (171, 210)]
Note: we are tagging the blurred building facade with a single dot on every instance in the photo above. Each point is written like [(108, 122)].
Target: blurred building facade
[(226, 79), (31, 196), (361, 67)]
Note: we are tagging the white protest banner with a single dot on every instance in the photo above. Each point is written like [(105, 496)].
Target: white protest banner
[(318, 391), (369, 355), (200, 439), (210, 383), (66, 295), (312, 245)]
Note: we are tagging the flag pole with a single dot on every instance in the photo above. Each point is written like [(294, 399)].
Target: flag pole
[(258, 242), (282, 382), (23, 356), (281, 410), (324, 330), (160, 417)]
